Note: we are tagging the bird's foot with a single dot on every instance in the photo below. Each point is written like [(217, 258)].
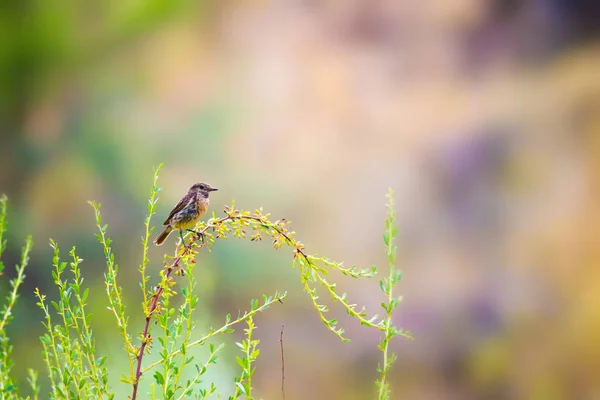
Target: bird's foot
[(199, 235)]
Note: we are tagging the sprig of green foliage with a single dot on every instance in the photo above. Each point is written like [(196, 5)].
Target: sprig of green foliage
[(313, 269), (185, 323), (69, 346), (387, 285), (32, 379), (113, 291), (8, 387), (249, 347), (152, 202), (190, 385)]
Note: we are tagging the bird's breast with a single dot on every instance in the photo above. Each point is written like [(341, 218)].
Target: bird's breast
[(190, 215), (202, 206)]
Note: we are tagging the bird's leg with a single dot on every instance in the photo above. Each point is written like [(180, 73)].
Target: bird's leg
[(200, 235), (182, 239)]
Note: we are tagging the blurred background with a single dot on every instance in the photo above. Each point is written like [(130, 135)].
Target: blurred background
[(483, 116)]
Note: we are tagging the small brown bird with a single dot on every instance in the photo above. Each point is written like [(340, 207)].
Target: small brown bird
[(186, 214)]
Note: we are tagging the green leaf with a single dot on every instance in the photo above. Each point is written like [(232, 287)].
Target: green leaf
[(100, 361), (158, 377)]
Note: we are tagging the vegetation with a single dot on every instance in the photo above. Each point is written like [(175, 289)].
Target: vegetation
[(76, 371)]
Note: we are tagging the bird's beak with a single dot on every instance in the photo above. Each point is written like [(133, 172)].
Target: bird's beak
[(212, 189)]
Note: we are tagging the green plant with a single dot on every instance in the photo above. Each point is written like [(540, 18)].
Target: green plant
[(243, 384), (9, 388), (69, 348), (387, 285), (77, 372)]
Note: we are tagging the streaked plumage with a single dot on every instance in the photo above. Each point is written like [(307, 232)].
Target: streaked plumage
[(188, 212)]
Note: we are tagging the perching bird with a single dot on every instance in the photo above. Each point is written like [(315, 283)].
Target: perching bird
[(186, 214)]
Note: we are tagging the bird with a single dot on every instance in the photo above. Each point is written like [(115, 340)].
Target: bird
[(186, 214)]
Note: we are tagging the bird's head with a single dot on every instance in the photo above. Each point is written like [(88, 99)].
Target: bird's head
[(203, 188)]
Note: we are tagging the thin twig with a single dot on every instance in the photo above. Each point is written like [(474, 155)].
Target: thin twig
[(282, 364)]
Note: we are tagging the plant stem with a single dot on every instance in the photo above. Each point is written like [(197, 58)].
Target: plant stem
[(386, 341), (145, 336)]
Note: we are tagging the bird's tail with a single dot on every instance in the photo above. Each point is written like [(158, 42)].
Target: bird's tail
[(163, 236)]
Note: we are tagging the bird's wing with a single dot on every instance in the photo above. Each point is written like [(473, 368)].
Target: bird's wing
[(180, 206)]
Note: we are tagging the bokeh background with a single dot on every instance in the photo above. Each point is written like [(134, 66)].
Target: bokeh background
[(483, 116)]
